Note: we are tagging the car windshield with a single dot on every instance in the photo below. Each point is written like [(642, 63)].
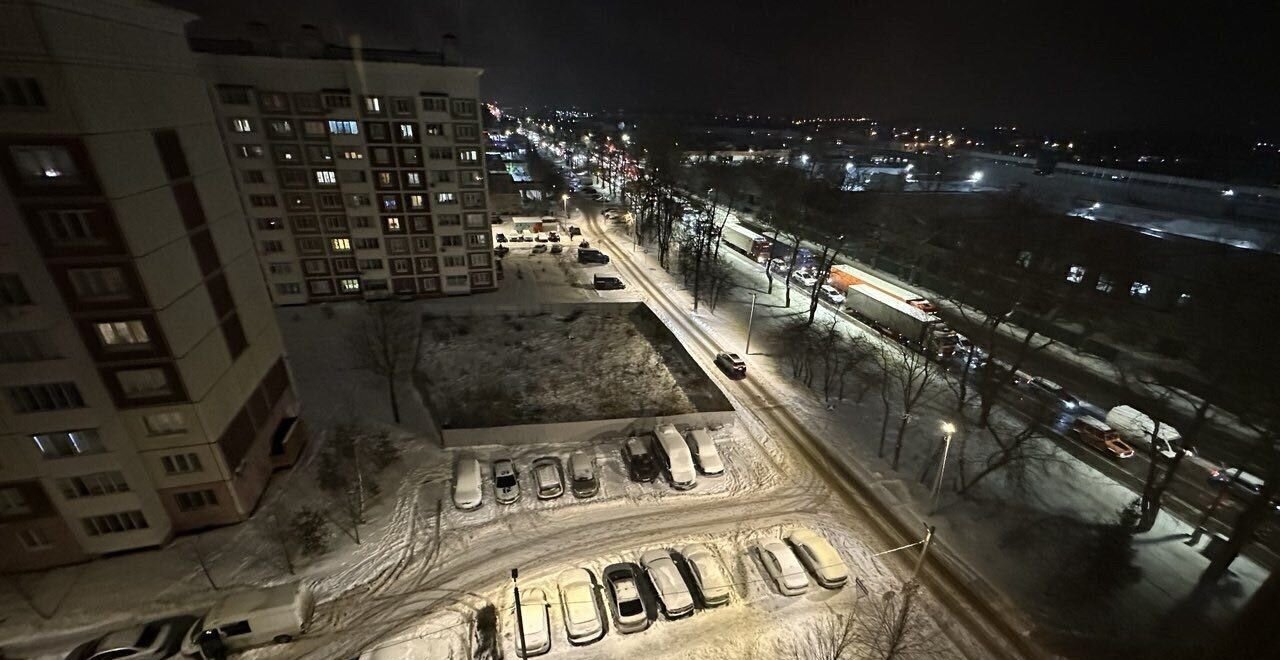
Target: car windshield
[(505, 481)]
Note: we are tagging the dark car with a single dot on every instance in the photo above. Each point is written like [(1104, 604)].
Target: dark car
[(574, 231), (501, 250), (557, 248), (553, 237), (608, 282), (589, 256), (642, 464), (628, 598), (731, 364), (1051, 392), (501, 237)]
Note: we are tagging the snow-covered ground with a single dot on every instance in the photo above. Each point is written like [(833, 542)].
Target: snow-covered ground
[(413, 585), (1049, 542)]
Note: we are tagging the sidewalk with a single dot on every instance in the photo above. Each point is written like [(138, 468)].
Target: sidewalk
[(1050, 543)]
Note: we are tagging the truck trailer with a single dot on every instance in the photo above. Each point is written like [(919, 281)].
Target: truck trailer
[(899, 319), (843, 277), (747, 242)]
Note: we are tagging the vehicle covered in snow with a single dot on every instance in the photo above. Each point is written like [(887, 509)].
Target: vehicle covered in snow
[(583, 622), (676, 457), (468, 491), (782, 567), (535, 622), (705, 454), (673, 593), (582, 474), (1136, 427), (630, 613), (506, 482), (151, 641), (822, 560), (708, 574)]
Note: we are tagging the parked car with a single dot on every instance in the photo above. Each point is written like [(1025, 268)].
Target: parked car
[(536, 623), (539, 248), (607, 282), (708, 574), (547, 478), (540, 237), (804, 279), (506, 482), (574, 231), (557, 248), (251, 618), (1095, 433), (705, 454), (1242, 484), (468, 489), (831, 294), (553, 237), (630, 614), (1138, 429), (642, 465), (501, 237), (782, 566), (731, 364), (675, 457), (822, 560), (583, 622), (1047, 390), (673, 593), (778, 265), (589, 256), (582, 474), (152, 641)]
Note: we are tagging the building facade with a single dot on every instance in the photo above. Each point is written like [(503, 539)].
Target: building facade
[(142, 379), (362, 171)]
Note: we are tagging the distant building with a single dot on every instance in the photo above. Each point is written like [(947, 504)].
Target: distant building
[(142, 381), (362, 170)]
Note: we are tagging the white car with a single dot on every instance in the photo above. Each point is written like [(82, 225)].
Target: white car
[(831, 294), (804, 279), (582, 620), (506, 483), (705, 453), (823, 561), (467, 491), (707, 573), (537, 626), (153, 641), (676, 458), (783, 567), (673, 593)]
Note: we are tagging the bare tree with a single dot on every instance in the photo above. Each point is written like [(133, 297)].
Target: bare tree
[(1017, 450), (387, 342), (893, 627), (909, 374), (834, 636), (348, 475)]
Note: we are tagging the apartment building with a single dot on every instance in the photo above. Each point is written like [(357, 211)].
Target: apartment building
[(142, 383), (362, 170)]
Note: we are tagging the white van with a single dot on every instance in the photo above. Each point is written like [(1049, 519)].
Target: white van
[(252, 618), (467, 490), (676, 457), (1136, 427)]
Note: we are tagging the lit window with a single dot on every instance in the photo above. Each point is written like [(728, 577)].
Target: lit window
[(326, 177), (1140, 290), (446, 198), (349, 285), (1075, 274), (353, 154), (340, 244), (343, 127), (68, 443), (372, 104), (1105, 284), (406, 131), (122, 333), (468, 155), (165, 423), (44, 164), (242, 125), (144, 383), (414, 179), (393, 224)]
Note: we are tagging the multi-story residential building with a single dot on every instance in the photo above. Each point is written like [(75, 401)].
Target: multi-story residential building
[(362, 171), (142, 381)]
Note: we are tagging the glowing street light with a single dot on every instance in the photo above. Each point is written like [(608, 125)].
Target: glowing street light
[(976, 177), (948, 430), (565, 200), (626, 138)]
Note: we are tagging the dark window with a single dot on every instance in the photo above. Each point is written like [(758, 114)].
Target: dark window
[(175, 162), (189, 205), (237, 628)]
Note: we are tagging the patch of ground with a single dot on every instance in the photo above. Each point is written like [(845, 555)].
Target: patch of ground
[(557, 363)]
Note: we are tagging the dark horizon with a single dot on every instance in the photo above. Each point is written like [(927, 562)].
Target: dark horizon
[(1055, 67)]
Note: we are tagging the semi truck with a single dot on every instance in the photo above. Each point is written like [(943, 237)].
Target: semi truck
[(747, 242), (900, 320), (842, 277)]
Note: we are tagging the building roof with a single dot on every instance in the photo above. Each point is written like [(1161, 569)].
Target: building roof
[(323, 52)]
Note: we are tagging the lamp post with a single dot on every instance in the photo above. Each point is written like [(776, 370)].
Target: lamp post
[(750, 317), (948, 430), (565, 199), (515, 574), (928, 538)]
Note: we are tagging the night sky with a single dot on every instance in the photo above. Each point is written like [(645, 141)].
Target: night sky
[(1050, 65)]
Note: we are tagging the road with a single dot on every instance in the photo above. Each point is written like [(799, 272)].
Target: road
[(979, 610)]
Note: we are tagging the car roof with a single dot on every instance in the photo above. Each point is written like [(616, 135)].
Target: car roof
[(583, 465), (821, 547), (626, 589), (237, 605), (1094, 423), (637, 445), (702, 439)]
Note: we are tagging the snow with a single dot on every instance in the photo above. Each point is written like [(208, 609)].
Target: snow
[(1029, 539)]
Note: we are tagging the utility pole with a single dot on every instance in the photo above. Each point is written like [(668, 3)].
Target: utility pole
[(515, 574), (1208, 512), (928, 538), (750, 318), (947, 431)]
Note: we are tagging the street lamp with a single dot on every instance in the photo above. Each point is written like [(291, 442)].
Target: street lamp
[(565, 199), (948, 430), (515, 574)]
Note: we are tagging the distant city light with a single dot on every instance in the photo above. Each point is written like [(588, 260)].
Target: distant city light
[(975, 177), (1228, 192)]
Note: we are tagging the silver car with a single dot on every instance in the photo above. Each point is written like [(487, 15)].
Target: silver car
[(506, 482)]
